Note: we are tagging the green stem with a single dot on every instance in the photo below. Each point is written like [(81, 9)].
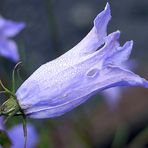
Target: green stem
[(13, 76), (120, 138), (25, 130)]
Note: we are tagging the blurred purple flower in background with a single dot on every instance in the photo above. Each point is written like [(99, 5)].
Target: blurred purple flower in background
[(8, 47), (16, 135), (66, 82), (1, 123)]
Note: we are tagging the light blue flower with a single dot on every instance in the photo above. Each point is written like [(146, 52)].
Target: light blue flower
[(16, 135), (1, 123), (95, 64), (8, 47)]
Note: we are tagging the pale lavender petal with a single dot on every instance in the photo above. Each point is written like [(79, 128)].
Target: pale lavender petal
[(121, 55), (114, 95), (95, 37), (130, 64), (16, 135), (8, 49), (10, 28), (110, 47), (101, 22), (115, 76)]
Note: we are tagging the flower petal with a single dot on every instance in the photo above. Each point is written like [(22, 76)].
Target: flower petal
[(10, 28), (110, 47), (8, 49), (115, 76), (101, 22), (95, 37), (46, 111), (121, 55)]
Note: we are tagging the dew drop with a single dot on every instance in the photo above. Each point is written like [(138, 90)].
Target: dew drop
[(93, 72)]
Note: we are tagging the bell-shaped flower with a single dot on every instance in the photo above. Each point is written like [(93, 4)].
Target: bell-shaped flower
[(8, 47), (95, 64)]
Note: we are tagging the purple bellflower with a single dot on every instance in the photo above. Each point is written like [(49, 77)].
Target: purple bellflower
[(16, 135), (8, 47), (94, 64), (1, 123)]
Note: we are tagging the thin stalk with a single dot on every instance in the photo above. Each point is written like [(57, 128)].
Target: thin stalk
[(13, 76), (120, 138), (7, 90), (25, 130)]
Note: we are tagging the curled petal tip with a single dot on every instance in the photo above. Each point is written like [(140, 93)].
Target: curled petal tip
[(117, 34), (113, 36), (19, 27), (103, 18), (22, 25), (107, 7), (129, 44)]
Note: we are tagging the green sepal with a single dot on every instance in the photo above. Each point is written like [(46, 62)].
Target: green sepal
[(8, 106), (13, 76)]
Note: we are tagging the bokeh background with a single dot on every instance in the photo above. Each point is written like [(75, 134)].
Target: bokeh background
[(55, 26)]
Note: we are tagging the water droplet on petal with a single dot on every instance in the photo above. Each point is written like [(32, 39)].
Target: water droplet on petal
[(93, 72)]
